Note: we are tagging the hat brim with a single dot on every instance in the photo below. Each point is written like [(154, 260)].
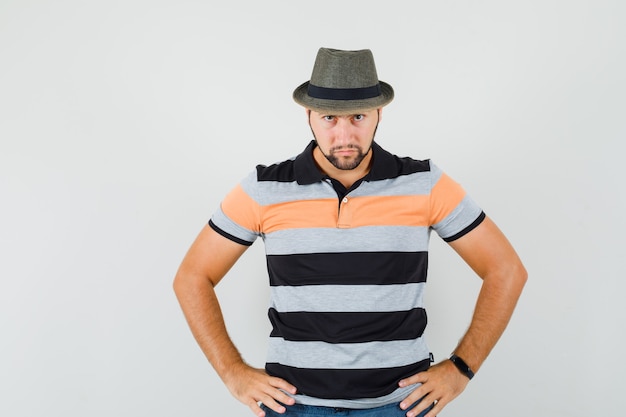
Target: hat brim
[(338, 107)]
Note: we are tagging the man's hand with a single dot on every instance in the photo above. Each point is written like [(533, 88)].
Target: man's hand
[(251, 386), (441, 384)]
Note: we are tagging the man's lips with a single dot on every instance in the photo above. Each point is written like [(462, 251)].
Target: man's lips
[(345, 151)]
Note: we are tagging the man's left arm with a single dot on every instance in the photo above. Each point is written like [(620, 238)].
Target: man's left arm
[(488, 252)]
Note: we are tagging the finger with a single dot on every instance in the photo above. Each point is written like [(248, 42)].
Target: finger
[(256, 409), (411, 399), (284, 398), (414, 379), (276, 399), (277, 389), (426, 403), (438, 406), (272, 404), (282, 384)]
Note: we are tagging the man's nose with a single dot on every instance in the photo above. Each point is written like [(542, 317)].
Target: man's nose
[(343, 132)]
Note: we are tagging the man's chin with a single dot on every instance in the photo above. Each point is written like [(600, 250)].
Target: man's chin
[(346, 165)]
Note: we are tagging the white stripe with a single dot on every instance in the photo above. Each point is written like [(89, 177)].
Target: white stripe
[(461, 217), (419, 183), (321, 355), (358, 239), (275, 192), (347, 298)]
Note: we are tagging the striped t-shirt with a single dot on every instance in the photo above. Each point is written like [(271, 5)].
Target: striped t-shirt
[(347, 272)]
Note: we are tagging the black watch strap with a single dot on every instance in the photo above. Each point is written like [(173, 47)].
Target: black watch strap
[(462, 366)]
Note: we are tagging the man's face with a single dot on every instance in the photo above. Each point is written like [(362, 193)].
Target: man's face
[(344, 140)]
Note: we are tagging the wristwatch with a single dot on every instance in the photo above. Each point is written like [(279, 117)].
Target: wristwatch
[(462, 366)]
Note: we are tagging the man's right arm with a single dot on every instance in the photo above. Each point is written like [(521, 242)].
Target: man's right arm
[(208, 260)]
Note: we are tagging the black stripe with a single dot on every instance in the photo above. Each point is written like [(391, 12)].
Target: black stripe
[(468, 229), (281, 172), (348, 383), (353, 327), (408, 166), (344, 93), (228, 235), (350, 268)]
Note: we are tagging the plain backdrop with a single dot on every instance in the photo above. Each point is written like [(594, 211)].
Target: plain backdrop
[(124, 123)]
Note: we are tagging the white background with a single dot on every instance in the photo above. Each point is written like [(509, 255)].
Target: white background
[(124, 123)]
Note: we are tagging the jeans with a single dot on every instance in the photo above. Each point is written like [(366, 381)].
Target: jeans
[(300, 410)]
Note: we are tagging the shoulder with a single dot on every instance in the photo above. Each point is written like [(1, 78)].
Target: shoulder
[(264, 181), (279, 172), (387, 165), (407, 165)]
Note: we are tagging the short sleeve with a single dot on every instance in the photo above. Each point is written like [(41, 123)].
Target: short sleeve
[(453, 212)]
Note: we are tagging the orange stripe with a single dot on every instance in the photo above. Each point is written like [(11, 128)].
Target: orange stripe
[(242, 209), (413, 210), (356, 212), (300, 214), (445, 197), (385, 211)]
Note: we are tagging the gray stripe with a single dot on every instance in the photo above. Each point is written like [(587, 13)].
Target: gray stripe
[(435, 171), (360, 403), (359, 239), (274, 192), (462, 216), (419, 183), (347, 298), (227, 225), (321, 355)]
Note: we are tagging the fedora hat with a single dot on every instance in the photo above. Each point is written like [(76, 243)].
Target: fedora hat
[(343, 82)]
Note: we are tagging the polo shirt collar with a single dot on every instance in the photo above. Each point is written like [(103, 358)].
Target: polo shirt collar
[(383, 166)]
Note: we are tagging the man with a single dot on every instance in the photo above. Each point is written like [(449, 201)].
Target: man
[(346, 227)]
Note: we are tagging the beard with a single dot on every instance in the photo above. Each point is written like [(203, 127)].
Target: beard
[(345, 163)]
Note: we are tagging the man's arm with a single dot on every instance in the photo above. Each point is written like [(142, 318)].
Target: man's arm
[(208, 260), (487, 251)]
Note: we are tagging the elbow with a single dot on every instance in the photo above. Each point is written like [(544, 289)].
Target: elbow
[(178, 284), (509, 278), (518, 277), (182, 283), (521, 274), (524, 277), (187, 282)]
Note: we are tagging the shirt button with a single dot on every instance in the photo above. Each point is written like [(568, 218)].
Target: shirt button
[(345, 200)]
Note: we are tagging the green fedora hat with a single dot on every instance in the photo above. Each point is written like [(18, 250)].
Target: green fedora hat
[(343, 82)]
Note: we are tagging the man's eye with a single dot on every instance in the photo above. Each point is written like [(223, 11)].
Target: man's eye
[(358, 117), (329, 118)]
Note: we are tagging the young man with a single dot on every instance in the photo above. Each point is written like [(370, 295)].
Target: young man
[(346, 227)]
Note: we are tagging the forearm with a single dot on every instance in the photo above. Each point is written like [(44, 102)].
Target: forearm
[(249, 385), (208, 260), (494, 307), (201, 308)]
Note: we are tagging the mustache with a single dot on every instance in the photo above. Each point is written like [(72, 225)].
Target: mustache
[(342, 147)]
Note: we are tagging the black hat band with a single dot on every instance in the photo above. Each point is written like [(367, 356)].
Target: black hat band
[(344, 93)]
